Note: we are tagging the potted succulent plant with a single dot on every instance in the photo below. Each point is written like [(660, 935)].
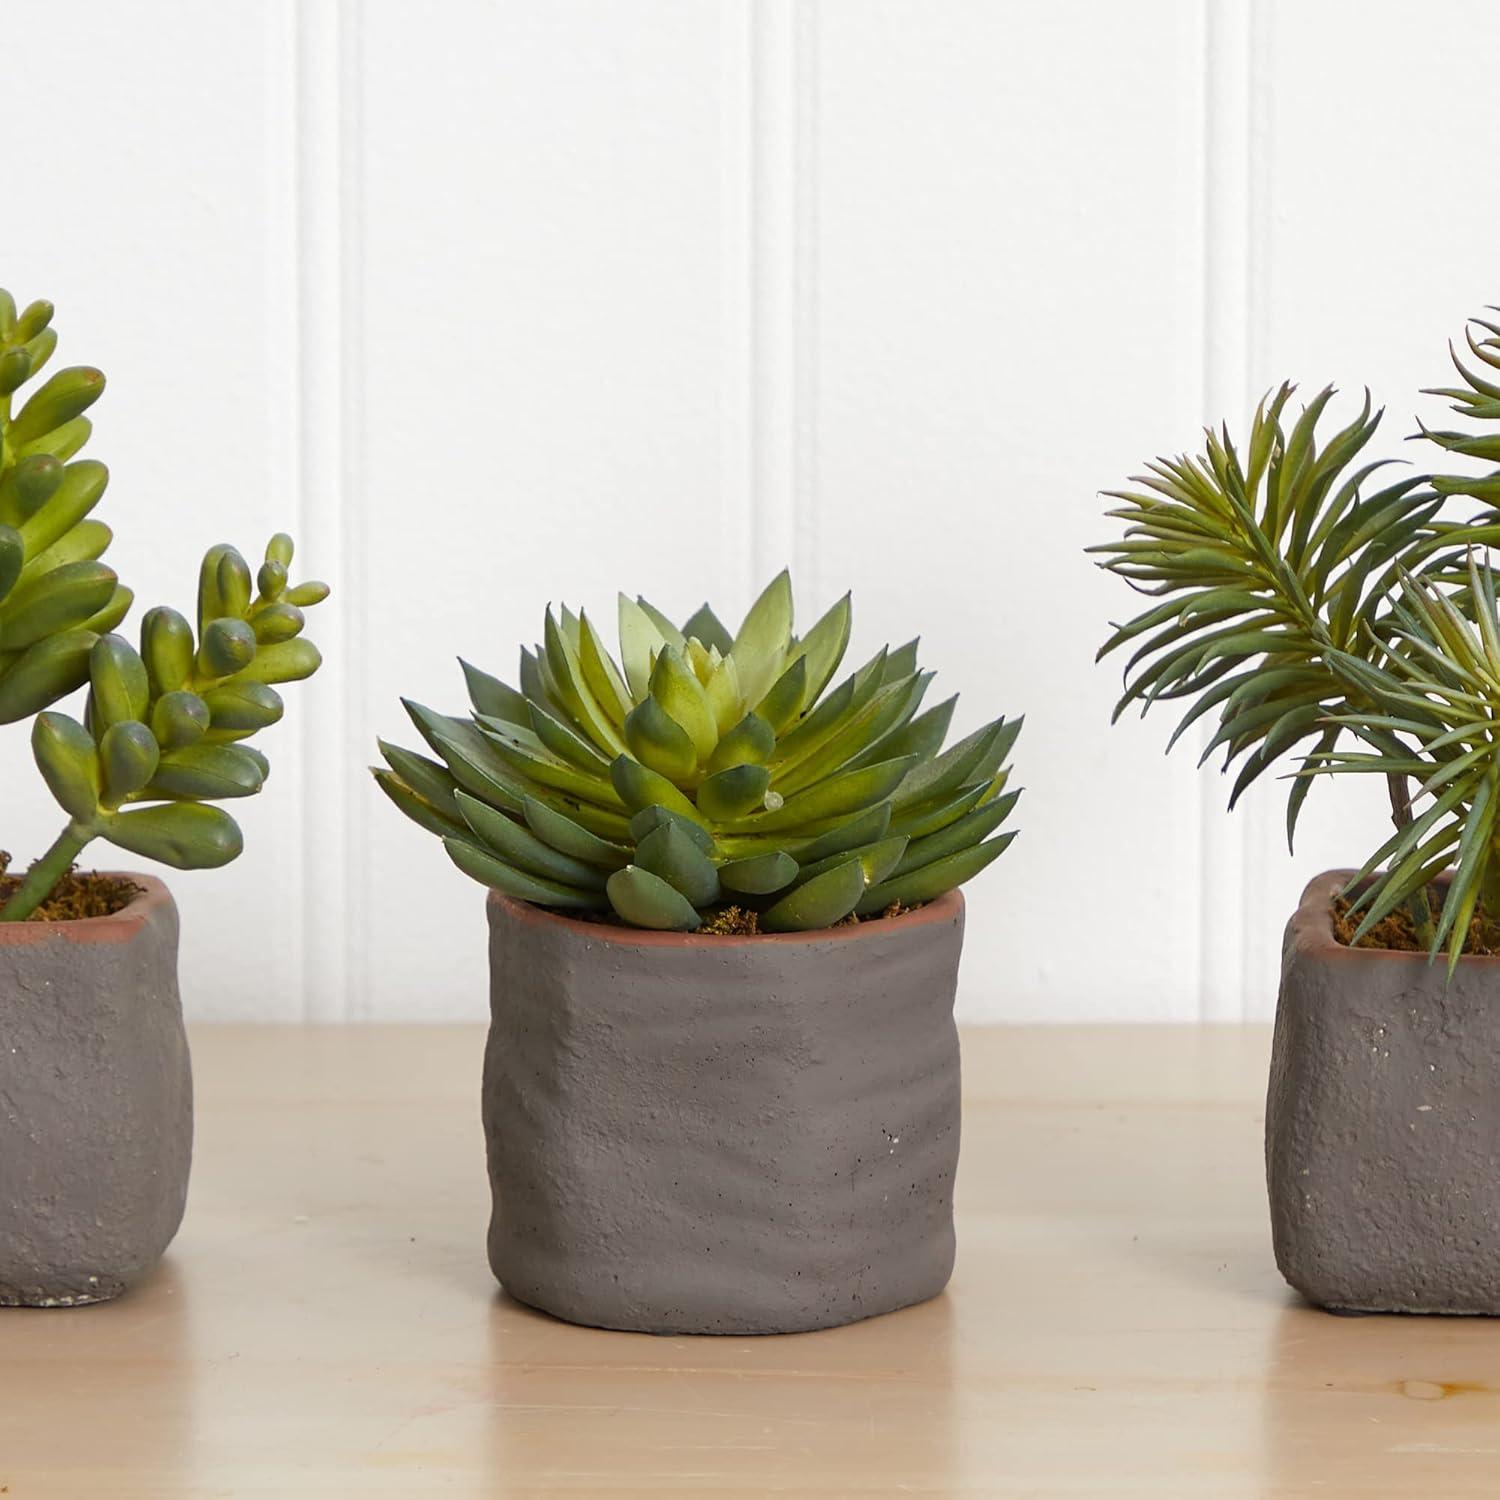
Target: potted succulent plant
[(721, 1086), (1304, 612), (95, 1087)]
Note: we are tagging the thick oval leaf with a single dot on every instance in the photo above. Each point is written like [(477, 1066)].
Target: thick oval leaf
[(63, 599), (672, 853), (749, 743), (119, 689), (242, 708), (45, 672), (205, 772), (69, 762), (185, 835), (656, 816), (167, 649), (735, 792), (760, 874), (822, 901), (179, 719), (646, 900), (130, 755), (676, 688), (657, 740), (640, 787)]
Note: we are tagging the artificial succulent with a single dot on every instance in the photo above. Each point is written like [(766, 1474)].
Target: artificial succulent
[(1301, 610), (162, 737), (705, 770)]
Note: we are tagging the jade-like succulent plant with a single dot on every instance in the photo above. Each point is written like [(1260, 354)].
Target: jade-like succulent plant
[(56, 597), (707, 770), (162, 735), (1300, 610)]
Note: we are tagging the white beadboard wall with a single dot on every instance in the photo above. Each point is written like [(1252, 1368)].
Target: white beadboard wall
[(493, 302)]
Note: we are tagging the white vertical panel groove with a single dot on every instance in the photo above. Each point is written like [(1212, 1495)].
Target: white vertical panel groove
[(1228, 870), (741, 397), (355, 748), (783, 289), (806, 541), (329, 252), (288, 900), (1265, 836)]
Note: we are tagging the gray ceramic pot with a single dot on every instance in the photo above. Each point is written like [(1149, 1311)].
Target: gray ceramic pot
[(96, 1102), (1383, 1123), (722, 1135)]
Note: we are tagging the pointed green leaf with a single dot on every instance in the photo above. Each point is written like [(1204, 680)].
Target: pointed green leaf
[(484, 867), (935, 879), (671, 853), (646, 900), (417, 808), (571, 838), (822, 901), (520, 848), (760, 645), (703, 625), (760, 874)]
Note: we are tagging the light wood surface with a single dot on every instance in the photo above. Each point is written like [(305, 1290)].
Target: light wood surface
[(326, 1325)]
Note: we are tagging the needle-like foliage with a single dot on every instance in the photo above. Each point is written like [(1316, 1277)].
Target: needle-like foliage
[(1301, 605), (1263, 566), (1435, 712)]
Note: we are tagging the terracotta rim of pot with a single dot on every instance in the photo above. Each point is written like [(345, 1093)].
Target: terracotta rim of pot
[(1312, 927), (944, 909), (118, 927)]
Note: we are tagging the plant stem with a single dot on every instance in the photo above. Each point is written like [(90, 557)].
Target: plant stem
[(45, 873), (1416, 904)]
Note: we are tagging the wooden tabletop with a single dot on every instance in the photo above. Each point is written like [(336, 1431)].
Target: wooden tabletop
[(326, 1324)]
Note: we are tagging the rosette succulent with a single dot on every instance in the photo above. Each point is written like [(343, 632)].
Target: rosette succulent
[(704, 770), (162, 737)]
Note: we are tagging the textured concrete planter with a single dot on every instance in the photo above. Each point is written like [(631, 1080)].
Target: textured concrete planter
[(722, 1135), (1383, 1123), (96, 1102)]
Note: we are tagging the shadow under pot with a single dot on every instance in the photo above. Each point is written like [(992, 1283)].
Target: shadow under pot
[(96, 1102), (733, 1135), (1383, 1122)]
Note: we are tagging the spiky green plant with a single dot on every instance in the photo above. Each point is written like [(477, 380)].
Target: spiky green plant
[(1435, 697), (162, 735), (706, 769), (1298, 606)]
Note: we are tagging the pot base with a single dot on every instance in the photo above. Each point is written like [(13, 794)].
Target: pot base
[(725, 1328), (39, 1297)]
